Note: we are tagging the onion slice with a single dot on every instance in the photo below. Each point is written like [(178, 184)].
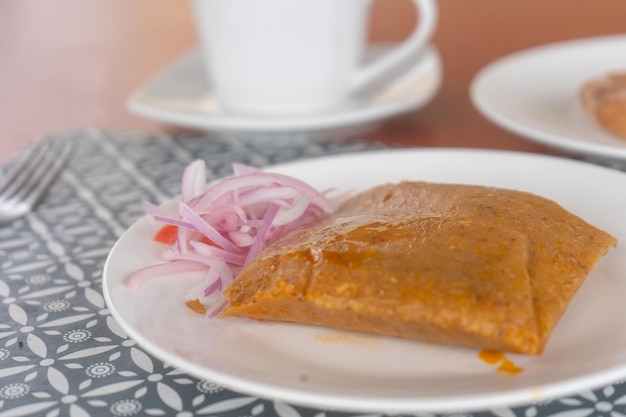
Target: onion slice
[(224, 225)]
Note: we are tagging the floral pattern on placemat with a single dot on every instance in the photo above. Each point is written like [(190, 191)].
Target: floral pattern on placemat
[(62, 354)]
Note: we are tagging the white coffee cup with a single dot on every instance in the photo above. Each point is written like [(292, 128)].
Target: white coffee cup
[(291, 57)]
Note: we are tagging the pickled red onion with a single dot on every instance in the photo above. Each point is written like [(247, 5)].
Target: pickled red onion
[(240, 215)]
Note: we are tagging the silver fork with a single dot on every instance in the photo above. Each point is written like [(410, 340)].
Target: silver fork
[(30, 176)]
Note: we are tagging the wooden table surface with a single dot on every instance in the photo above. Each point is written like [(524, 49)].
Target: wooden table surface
[(67, 64)]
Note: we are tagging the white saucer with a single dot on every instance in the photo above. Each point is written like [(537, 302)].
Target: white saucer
[(181, 95), (535, 93)]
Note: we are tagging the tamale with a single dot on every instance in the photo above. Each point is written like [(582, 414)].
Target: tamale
[(458, 264)]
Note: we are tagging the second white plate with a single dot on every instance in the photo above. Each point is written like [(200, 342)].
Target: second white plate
[(535, 93), (329, 369)]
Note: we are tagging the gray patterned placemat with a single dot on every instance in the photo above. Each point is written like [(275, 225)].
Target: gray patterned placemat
[(62, 354)]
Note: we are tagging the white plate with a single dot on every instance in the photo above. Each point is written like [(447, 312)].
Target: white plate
[(535, 93), (182, 95), (329, 369)]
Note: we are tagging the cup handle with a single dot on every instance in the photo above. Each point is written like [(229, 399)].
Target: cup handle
[(372, 72)]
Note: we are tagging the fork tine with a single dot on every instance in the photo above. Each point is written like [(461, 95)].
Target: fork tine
[(20, 171), (51, 169), (48, 167)]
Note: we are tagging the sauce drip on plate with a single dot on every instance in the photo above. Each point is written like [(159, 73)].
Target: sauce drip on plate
[(497, 357)]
